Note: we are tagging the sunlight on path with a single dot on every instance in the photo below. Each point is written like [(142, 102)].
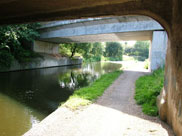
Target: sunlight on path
[(132, 65)]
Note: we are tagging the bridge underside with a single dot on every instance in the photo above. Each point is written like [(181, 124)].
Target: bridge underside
[(123, 36), (167, 12)]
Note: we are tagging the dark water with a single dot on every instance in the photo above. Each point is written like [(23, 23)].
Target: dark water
[(27, 97)]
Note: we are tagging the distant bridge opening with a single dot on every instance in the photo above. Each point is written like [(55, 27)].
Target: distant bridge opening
[(107, 29)]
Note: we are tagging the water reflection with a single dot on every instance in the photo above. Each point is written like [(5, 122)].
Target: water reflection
[(42, 90)]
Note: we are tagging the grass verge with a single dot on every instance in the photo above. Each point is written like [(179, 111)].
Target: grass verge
[(87, 95), (147, 89)]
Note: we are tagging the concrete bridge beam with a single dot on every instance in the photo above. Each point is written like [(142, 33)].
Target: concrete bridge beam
[(69, 31)]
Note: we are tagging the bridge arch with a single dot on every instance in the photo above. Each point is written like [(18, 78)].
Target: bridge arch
[(166, 12)]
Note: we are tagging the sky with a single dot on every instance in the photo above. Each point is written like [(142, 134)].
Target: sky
[(129, 43)]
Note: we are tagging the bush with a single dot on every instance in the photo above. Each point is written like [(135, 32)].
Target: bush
[(113, 51), (113, 59), (24, 56), (139, 58), (146, 66), (93, 59), (140, 51), (147, 89), (6, 58), (13, 39)]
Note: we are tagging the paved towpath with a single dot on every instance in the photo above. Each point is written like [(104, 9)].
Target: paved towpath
[(114, 114)]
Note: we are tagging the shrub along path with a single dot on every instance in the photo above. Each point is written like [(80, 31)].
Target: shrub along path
[(114, 114)]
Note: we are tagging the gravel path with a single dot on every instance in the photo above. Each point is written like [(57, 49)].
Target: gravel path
[(114, 114)]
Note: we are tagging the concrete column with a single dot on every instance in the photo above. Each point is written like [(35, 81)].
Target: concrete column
[(45, 47), (158, 49)]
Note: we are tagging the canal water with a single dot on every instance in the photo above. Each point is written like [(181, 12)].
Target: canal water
[(27, 97)]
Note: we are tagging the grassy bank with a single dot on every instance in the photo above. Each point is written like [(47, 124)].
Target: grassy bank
[(147, 89), (87, 95)]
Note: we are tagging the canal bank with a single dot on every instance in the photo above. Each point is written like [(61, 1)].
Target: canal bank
[(115, 113), (39, 92), (44, 61)]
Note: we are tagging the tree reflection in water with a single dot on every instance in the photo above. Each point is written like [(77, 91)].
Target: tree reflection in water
[(45, 89)]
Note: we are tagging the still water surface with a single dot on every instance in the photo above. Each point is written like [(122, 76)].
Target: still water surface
[(27, 97)]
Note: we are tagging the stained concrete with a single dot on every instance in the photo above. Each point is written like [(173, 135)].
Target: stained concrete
[(100, 30), (41, 10), (45, 47), (45, 61), (158, 50)]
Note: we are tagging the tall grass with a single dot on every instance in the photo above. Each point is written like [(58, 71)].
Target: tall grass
[(147, 89)]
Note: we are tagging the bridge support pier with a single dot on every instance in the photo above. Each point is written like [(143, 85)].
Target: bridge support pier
[(45, 47), (158, 50)]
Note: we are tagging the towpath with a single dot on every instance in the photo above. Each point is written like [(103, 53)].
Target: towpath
[(114, 114)]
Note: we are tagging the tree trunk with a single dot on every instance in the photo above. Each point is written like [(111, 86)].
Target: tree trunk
[(73, 51)]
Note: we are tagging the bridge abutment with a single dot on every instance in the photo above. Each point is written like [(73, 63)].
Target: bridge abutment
[(46, 47), (158, 50)]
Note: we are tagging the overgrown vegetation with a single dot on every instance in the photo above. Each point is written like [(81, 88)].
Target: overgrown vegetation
[(13, 43), (140, 51), (147, 89), (87, 95), (146, 66), (113, 51), (93, 51)]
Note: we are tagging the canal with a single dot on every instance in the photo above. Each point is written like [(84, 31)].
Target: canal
[(27, 97)]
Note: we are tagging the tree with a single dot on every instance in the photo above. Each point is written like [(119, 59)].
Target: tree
[(82, 48), (114, 50), (97, 51), (12, 39), (140, 50), (72, 47)]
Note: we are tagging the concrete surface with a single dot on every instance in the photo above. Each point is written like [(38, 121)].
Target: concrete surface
[(100, 30), (45, 61), (45, 47), (158, 50)]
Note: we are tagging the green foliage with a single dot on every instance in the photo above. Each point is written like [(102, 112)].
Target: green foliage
[(5, 58), (146, 66), (149, 109), (114, 51), (89, 51), (93, 51), (75, 79), (87, 95), (147, 89), (72, 48), (25, 55), (13, 39), (97, 52), (112, 59), (140, 51)]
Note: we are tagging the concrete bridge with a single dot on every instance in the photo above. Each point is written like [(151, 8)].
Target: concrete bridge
[(105, 30), (166, 12)]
